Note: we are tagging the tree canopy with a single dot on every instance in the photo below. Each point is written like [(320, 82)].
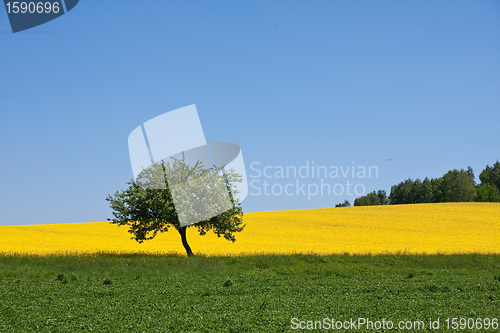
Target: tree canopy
[(454, 186), (491, 175), (372, 199), (346, 203), (487, 193), (147, 206)]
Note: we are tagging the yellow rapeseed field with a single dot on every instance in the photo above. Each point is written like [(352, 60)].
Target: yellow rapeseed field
[(420, 228)]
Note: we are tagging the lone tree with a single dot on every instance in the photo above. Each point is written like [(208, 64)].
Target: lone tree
[(147, 205)]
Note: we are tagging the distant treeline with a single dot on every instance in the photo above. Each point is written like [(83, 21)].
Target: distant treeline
[(454, 186)]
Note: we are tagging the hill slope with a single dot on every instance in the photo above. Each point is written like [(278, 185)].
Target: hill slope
[(420, 228)]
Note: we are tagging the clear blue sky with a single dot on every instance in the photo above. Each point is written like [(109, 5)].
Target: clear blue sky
[(412, 87)]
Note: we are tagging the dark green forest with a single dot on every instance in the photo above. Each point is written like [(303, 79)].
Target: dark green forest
[(454, 186)]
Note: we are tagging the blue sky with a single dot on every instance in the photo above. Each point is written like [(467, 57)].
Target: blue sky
[(411, 87)]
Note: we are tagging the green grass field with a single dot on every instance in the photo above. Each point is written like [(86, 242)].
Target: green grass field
[(111, 293)]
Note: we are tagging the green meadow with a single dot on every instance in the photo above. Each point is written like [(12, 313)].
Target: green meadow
[(146, 293)]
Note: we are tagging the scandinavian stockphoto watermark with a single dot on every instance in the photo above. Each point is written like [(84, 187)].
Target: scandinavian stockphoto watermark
[(25, 15), (170, 151), (310, 180)]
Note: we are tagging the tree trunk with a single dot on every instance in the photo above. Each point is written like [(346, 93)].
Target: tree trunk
[(182, 231)]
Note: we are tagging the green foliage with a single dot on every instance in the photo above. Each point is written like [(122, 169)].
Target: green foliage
[(372, 199), (346, 203), (454, 186), (382, 197), (415, 191), (400, 193), (491, 175), (487, 193), (147, 206), (457, 186), (240, 294)]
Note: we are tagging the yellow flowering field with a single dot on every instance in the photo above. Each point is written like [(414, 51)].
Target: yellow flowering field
[(419, 228)]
